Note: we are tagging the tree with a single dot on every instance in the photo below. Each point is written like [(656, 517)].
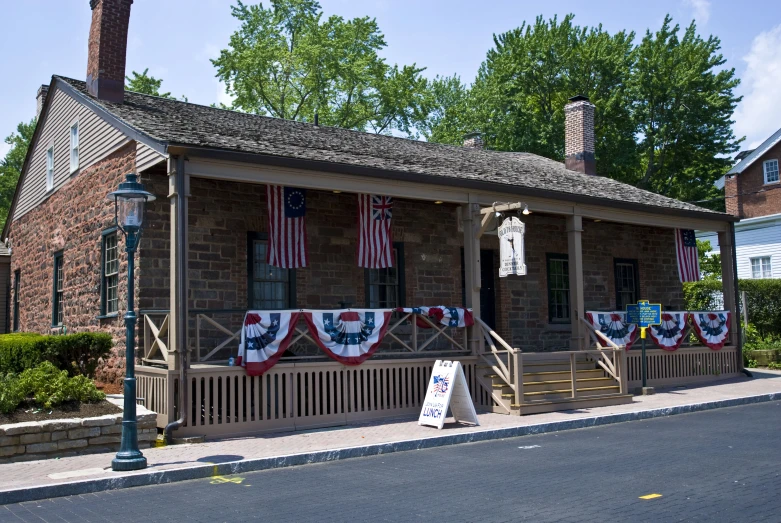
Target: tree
[(663, 106), (11, 165), (683, 103), (145, 84), (286, 61), (448, 117), (710, 264)]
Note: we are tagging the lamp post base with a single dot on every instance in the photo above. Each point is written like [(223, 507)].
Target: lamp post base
[(133, 461)]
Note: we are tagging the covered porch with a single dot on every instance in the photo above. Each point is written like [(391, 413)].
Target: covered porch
[(530, 350)]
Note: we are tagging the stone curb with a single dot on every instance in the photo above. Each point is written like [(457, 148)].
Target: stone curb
[(251, 465)]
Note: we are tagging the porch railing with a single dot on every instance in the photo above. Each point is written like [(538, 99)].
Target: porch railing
[(215, 336)]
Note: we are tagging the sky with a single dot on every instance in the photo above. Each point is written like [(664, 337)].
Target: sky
[(176, 38)]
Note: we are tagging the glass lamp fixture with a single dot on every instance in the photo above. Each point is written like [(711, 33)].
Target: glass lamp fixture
[(129, 201)]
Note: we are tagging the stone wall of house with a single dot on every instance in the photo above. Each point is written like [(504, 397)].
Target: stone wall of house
[(222, 213), (71, 220)]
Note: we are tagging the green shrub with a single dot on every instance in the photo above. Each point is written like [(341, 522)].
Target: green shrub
[(46, 386), (763, 298), (75, 353)]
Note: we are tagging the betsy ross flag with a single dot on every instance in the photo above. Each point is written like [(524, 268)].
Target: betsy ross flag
[(286, 227), (375, 244), (688, 260)]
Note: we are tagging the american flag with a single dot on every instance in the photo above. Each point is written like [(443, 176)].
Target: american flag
[(688, 260), (375, 244), (287, 227)]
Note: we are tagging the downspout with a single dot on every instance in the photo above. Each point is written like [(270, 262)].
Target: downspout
[(181, 296), (736, 290)]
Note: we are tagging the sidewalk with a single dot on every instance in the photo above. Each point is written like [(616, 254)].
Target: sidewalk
[(90, 473)]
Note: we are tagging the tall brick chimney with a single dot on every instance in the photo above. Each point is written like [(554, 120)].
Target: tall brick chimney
[(733, 200), (40, 98), (579, 135), (107, 49)]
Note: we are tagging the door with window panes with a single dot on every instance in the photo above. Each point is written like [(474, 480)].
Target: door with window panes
[(627, 283), (268, 287)]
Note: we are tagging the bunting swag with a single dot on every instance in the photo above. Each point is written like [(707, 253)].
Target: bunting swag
[(449, 316), (612, 325), (264, 338), (669, 335), (712, 328), (348, 336)]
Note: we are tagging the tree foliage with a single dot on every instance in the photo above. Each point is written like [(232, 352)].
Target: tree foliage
[(11, 165), (663, 106), (710, 264), (145, 84), (287, 61)]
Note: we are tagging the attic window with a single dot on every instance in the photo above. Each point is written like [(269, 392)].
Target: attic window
[(771, 171), (50, 168), (74, 147)]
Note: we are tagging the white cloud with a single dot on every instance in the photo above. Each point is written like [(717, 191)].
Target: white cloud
[(759, 114), (700, 10)]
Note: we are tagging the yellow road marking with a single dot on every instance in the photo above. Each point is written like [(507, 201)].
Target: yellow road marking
[(651, 496), (217, 480)]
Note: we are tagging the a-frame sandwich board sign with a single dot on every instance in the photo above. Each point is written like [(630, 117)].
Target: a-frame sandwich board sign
[(447, 388)]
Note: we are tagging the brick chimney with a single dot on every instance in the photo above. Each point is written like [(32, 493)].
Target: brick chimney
[(473, 140), (579, 135), (40, 98), (732, 198), (107, 49)]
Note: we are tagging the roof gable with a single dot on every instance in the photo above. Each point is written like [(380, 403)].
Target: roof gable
[(756, 153)]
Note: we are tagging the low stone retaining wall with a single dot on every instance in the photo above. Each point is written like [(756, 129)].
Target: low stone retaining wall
[(68, 437)]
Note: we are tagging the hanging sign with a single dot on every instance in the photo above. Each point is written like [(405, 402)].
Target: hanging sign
[(447, 388), (511, 247)]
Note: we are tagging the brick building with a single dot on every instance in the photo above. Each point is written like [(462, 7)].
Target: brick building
[(752, 190), (591, 244)]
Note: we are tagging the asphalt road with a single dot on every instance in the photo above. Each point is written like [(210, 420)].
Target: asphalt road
[(721, 465)]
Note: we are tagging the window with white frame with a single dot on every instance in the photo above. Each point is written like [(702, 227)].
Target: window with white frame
[(74, 146), (771, 171), (50, 168), (760, 267)]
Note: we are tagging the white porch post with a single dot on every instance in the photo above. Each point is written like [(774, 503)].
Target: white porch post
[(576, 300), (729, 282), (471, 217), (178, 194)]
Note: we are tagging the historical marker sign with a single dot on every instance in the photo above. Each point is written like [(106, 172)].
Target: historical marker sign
[(644, 314), (447, 388)]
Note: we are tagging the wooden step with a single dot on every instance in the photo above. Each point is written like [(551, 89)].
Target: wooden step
[(547, 395), (529, 377), (555, 366), (553, 405), (553, 385)]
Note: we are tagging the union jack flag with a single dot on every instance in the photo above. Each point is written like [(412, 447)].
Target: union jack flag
[(375, 242)]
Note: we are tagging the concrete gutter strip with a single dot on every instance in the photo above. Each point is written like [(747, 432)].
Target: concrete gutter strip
[(291, 460)]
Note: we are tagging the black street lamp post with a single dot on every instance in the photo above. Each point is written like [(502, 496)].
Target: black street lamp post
[(129, 202)]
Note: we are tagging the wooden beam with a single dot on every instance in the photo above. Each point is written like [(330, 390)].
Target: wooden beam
[(576, 302), (504, 207)]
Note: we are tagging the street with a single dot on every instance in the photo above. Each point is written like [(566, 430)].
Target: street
[(720, 465)]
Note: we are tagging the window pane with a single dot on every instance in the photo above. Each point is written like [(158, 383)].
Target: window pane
[(771, 171), (383, 286), (558, 290), (270, 285)]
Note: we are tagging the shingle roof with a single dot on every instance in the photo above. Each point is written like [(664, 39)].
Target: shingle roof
[(173, 122), (755, 154)]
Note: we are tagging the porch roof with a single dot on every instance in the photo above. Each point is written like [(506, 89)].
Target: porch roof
[(168, 122)]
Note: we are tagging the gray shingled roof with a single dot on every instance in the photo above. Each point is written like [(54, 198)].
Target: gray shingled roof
[(755, 154), (173, 122)]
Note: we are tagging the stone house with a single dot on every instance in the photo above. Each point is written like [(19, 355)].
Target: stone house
[(752, 190), (591, 243)]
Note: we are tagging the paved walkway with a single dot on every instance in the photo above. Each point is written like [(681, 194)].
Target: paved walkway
[(97, 466)]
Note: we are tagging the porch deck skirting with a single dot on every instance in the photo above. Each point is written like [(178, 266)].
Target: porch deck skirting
[(224, 401), (685, 366)]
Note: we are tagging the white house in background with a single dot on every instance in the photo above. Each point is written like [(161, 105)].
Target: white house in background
[(752, 191)]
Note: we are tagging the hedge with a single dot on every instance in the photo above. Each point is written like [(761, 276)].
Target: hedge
[(78, 354), (46, 386), (763, 298)]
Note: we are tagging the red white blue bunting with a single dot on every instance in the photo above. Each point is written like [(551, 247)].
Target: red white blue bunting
[(264, 338), (614, 326), (712, 328), (448, 316), (348, 336), (670, 334)]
